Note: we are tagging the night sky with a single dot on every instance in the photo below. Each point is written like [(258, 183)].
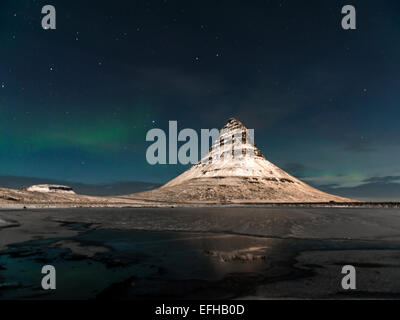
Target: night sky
[(76, 102)]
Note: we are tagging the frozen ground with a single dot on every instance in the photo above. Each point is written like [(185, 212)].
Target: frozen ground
[(202, 252)]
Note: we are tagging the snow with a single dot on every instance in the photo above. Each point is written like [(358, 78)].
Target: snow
[(235, 169), (51, 188)]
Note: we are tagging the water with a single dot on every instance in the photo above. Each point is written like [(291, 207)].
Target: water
[(140, 255), (100, 253)]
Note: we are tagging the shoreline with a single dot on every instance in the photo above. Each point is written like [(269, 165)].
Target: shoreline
[(353, 205)]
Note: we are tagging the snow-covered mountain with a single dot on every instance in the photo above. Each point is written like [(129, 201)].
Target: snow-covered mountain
[(236, 171)]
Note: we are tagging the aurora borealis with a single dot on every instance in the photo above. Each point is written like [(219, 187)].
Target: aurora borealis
[(76, 102)]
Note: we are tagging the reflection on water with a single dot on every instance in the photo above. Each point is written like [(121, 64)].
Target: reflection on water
[(146, 257), (280, 252), (150, 264)]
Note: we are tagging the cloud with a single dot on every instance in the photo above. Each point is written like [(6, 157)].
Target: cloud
[(384, 188), (337, 179), (366, 192), (386, 179), (359, 146), (330, 185), (295, 168), (179, 83), (265, 100)]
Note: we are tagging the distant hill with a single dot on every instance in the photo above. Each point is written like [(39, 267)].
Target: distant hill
[(107, 189)]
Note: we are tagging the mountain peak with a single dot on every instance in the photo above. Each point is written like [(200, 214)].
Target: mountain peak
[(236, 171), (232, 124), (235, 137)]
